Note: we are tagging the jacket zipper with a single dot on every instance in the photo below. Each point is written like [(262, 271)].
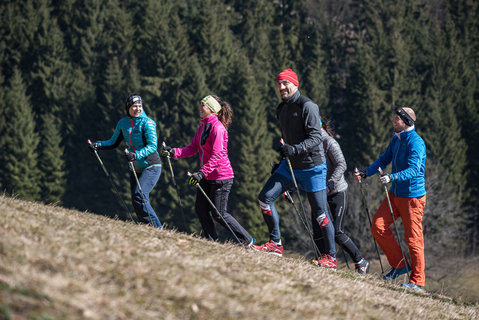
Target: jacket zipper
[(131, 144)]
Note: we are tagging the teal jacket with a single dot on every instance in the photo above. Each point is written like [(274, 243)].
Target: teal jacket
[(140, 137), (407, 153)]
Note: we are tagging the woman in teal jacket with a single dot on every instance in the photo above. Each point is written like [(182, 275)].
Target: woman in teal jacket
[(139, 133)]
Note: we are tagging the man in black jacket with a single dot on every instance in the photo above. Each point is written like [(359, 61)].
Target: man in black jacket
[(300, 126)]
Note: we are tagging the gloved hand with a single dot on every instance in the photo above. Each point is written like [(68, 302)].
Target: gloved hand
[(195, 178), (287, 150), (329, 186), (130, 156), (360, 174), (93, 146), (167, 151), (274, 166), (385, 178)]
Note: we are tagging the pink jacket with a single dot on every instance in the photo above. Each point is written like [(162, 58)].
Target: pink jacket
[(211, 142)]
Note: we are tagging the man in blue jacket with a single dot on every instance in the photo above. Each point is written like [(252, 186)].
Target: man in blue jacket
[(407, 153)]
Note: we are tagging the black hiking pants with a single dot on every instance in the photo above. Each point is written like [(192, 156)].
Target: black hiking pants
[(218, 191)]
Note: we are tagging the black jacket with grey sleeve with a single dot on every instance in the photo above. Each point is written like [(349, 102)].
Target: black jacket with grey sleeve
[(300, 125)]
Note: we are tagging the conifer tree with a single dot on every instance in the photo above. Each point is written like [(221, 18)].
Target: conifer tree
[(212, 39), (443, 89), (51, 161), (178, 131), (368, 115), (19, 156), (255, 28), (312, 69), (249, 148), (464, 14)]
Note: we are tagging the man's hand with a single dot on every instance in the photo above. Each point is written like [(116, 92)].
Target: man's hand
[(385, 178), (287, 150)]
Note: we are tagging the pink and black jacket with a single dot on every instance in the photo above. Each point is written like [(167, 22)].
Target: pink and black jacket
[(211, 143)]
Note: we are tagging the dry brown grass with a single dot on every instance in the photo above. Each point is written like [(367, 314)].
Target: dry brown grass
[(64, 264)]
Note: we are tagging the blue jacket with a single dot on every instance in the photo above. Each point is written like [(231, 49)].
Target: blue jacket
[(407, 152), (140, 137)]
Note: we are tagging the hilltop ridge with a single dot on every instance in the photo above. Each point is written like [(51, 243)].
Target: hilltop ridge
[(57, 263)]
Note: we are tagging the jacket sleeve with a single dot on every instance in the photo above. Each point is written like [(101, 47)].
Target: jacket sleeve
[(191, 149), (114, 141), (336, 156), (312, 126), (217, 137), (417, 153), (384, 159), (151, 140)]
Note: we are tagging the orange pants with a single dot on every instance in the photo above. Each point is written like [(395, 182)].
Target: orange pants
[(410, 210)]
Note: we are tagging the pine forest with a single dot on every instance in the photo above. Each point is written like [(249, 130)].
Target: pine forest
[(66, 68)]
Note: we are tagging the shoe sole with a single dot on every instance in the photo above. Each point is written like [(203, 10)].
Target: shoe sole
[(320, 266), (268, 252)]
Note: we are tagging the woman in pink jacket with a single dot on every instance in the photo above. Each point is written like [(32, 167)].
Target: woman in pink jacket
[(216, 174)]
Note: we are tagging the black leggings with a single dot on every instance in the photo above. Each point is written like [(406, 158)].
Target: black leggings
[(338, 205), (218, 191)]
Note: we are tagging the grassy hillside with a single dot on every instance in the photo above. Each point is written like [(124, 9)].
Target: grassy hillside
[(63, 264)]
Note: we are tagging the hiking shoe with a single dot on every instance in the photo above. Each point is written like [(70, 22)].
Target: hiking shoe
[(269, 247), (326, 261), (251, 243), (362, 267), (394, 273), (412, 286)]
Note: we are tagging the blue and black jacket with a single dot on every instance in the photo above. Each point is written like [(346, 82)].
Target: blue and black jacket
[(140, 137)]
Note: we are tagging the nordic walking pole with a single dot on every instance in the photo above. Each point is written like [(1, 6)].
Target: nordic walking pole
[(216, 210), (132, 169), (380, 172), (176, 187), (315, 247), (112, 183), (369, 217)]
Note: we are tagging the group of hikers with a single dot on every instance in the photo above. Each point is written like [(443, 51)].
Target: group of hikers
[(311, 160)]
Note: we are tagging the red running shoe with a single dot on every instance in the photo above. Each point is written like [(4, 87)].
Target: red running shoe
[(269, 247), (326, 261)]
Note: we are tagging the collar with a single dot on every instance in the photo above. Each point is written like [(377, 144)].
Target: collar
[(210, 119), (293, 98), (404, 132)]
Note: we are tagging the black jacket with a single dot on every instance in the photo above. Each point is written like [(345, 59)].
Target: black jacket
[(300, 124)]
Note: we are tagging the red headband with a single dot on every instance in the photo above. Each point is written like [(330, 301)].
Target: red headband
[(290, 75)]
